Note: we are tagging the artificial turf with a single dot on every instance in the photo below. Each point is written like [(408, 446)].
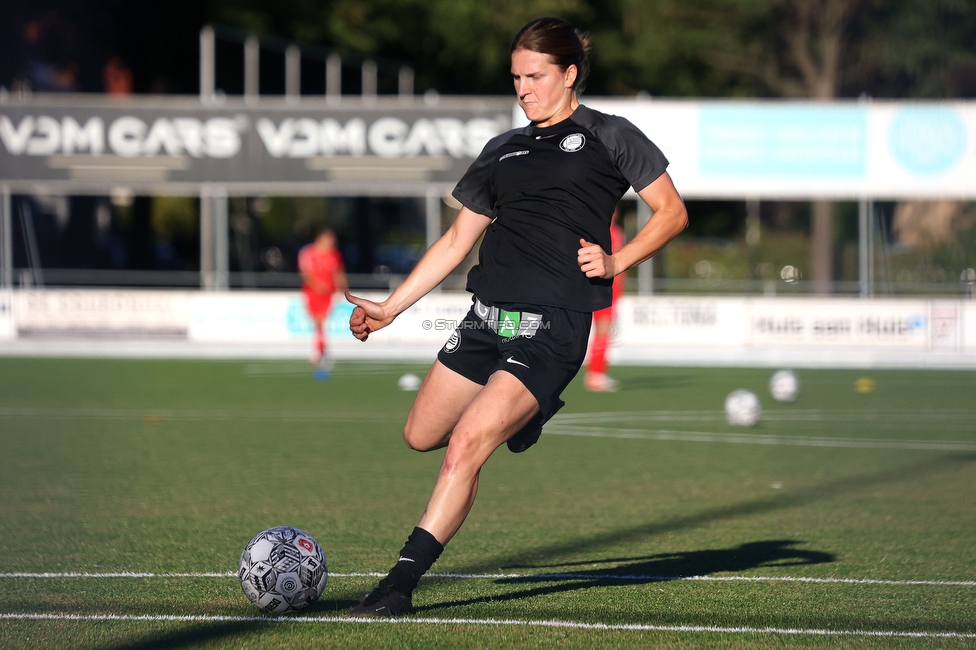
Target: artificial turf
[(861, 506)]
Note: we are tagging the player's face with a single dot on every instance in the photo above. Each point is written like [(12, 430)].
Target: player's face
[(545, 92), (325, 240)]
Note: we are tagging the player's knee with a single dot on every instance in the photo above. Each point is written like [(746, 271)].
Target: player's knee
[(418, 439), (468, 450)]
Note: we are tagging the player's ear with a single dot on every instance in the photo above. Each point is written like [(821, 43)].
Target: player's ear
[(570, 75)]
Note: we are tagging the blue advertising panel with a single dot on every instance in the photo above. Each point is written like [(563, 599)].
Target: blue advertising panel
[(782, 140)]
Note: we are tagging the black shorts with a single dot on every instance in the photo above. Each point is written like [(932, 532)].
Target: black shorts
[(543, 347)]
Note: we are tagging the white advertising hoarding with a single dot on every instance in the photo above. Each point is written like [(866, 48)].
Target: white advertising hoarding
[(839, 323), (6, 316), (967, 326), (682, 321), (706, 330), (92, 313), (779, 149), (263, 317)]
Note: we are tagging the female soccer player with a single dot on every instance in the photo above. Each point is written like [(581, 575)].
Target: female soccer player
[(542, 197), (323, 272), (596, 378)]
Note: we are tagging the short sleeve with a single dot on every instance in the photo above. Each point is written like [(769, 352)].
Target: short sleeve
[(474, 191), (638, 159)]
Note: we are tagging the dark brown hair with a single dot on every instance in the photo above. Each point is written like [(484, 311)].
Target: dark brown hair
[(561, 42)]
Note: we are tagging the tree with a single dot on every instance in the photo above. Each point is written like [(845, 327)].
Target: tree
[(818, 49), (455, 46)]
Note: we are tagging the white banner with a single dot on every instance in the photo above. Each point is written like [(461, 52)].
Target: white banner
[(6, 316), (780, 149), (93, 313), (649, 329), (246, 317), (264, 317), (664, 321), (967, 325), (840, 322)]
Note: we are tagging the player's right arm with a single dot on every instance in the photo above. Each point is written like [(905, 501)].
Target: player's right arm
[(437, 263)]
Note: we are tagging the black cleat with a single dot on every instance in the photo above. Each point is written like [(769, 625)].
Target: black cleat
[(526, 436), (384, 601)]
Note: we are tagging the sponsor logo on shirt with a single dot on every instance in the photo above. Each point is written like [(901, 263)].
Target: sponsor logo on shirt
[(513, 154), (572, 143)]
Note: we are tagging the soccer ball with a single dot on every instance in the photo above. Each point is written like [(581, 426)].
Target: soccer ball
[(742, 408), (283, 569), (409, 382), (784, 386)]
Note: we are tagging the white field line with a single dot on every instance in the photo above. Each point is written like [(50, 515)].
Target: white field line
[(963, 420), (640, 627), (963, 416), (285, 369), (527, 576), (785, 415), (757, 439), (193, 414)]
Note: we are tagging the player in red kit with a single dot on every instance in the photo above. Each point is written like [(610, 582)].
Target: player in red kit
[(323, 273), (596, 378)]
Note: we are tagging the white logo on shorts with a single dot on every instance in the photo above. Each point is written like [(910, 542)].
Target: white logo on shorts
[(572, 143), (518, 363), (453, 343)]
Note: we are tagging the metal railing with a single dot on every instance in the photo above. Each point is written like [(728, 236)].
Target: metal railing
[(294, 52)]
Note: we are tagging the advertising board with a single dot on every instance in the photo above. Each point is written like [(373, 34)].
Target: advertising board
[(648, 329), (91, 144), (91, 313), (795, 149)]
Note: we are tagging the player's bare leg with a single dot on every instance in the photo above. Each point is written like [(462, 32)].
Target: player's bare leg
[(493, 414), (318, 341), (499, 410), (596, 378), (440, 402)]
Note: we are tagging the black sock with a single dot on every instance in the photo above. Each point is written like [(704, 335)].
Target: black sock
[(419, 553)]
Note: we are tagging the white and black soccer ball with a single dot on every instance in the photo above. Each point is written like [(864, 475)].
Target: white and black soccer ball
[(283, 569), (784, 386), (742, 408)]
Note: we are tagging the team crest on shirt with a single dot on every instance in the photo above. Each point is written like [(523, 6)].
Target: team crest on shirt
[(573, 142)]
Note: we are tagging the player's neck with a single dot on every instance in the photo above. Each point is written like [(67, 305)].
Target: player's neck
[(561, 114)]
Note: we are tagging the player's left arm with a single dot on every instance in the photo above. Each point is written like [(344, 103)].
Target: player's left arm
[(670, 218)]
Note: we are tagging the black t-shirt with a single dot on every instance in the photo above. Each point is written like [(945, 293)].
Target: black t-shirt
[(545, 188)]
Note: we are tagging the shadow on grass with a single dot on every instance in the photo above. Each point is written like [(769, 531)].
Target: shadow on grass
[(657, 568), (220, 632), (335, 606), (194, 635), (660, 568), (781, 501), (668, 566)]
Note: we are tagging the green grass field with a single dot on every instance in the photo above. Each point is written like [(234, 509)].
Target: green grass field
[(842, 519)]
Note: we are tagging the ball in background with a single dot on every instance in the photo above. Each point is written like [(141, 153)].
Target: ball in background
[(784, 386), (409, 381), (742, 408), (283, 569)]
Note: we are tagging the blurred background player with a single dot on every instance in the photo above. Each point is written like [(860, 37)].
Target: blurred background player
[(596, 378), (323, 273)]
